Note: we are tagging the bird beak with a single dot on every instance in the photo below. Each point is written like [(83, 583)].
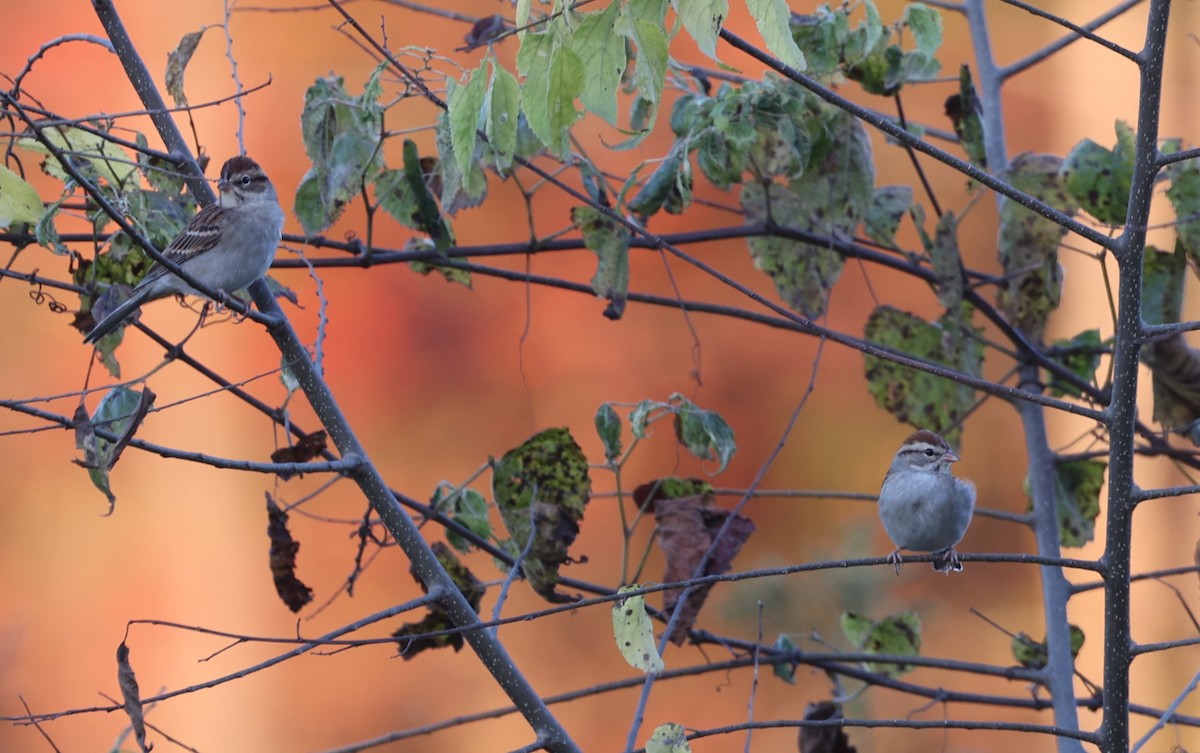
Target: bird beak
[(224, 186), (951, 457)]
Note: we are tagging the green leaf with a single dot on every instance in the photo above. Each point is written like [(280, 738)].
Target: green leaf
[(1077, 499), (342, 136), (947, 263), (639, 417), (609, 240), (650, 69), (602, 51), (466, 507), (634, 632), (1162, 284), (1031, 654), (888, 205), (450, 274), (918, 397), (703, 20), (19, 202), (785, 671), (1174, 364), (704, 433), (117, 409), (608, 427), (90, 153), (503, 110), (465, 104), (542, 489), (47, 232), (964, 111), (668, 738), (829, 199), (803, 273), (427, 217), (177, 60), (898, 634), (1081, 355), (1184, 194), (669, 186), (553, 79), (771, 17), (307, 205), (825, 38), (1032, 286), (1099, 178), (459, 190), (925, 23)]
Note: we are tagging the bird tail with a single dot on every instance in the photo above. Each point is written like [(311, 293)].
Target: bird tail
[(116, 317)]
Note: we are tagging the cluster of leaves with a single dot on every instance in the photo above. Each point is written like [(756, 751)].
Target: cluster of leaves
[(541, 488), (344, 136), (870, 53), (158, 209)]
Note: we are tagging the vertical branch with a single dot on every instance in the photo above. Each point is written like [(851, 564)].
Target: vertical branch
[(1060, 665), (1056, 590), (989, 80), (1122, 412)]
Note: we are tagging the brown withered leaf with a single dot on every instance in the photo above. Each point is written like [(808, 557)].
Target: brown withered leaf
[(291, 590), (687, 527), (310, 446), (824, 739), (414, 637), (131, 697)]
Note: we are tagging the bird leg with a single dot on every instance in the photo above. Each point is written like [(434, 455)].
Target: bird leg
[(896, 560), (946, 561)]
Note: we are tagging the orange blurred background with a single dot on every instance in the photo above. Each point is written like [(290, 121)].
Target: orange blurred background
[(436, 377)]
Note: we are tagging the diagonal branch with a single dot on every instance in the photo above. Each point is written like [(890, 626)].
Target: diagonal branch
[(490, 651)]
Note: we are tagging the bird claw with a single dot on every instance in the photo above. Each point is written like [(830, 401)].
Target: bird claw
[(946, 561), (896, 561)]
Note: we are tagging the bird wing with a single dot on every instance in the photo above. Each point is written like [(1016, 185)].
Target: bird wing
[(201, 233)]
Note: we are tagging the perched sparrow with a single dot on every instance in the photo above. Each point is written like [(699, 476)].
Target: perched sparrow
[(226, 245), (923, 507)]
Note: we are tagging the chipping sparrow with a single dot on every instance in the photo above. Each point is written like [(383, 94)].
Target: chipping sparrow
[(226, 245), (923, 507)]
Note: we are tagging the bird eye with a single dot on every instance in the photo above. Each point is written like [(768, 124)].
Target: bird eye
[(929, 452), (245, 180)]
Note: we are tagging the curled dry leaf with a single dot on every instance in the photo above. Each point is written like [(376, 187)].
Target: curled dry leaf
[(687, 528), (824, 739), (291, 590), (132, 697), (310, 446)]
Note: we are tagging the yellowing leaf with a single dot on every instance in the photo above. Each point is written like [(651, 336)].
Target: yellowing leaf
[(634, 632), (668, 738), (89, 151), (19, 202), (897, 634)]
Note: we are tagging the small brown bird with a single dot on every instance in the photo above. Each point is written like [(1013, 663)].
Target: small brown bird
[(924, 508)]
